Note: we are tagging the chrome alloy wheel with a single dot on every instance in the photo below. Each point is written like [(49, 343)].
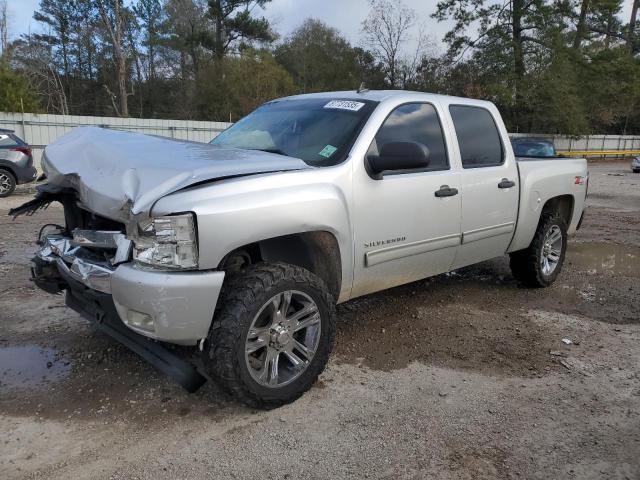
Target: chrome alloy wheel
[(551, 250), (282, 339), (6, 183)]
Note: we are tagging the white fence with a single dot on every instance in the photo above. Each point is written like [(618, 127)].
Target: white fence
[(40, 130), (592, 143)]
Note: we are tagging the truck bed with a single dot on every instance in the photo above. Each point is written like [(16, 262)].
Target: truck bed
[(542, 179)]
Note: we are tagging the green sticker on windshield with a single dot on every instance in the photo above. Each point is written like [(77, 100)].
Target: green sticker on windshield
[(328, 151)]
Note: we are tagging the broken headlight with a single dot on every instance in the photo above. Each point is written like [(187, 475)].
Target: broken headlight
[(168, 242)]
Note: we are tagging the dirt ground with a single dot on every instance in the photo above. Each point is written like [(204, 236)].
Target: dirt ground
[(462, 376)]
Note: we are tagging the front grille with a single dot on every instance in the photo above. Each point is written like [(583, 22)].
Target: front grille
[(81, 224), (77, 217)]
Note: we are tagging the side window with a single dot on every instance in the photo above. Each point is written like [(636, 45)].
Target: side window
[(415, 122), (478, 137)]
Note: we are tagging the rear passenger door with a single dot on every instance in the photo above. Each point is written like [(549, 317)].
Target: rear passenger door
[(489, 184)]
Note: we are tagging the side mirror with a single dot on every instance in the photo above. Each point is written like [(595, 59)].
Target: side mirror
[(397, 156)]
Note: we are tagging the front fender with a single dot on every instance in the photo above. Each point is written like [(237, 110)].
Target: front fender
[(234, 213)]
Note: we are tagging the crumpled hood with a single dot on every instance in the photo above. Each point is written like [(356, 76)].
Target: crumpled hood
[(121, 174)]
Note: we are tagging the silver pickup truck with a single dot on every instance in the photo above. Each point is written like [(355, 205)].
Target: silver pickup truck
[(241, 248)]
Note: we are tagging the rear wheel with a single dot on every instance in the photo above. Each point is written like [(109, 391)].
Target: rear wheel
[(541, 263), (7, 183), (272, 335)]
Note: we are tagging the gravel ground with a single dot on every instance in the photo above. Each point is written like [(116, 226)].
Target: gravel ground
[(460, 376)]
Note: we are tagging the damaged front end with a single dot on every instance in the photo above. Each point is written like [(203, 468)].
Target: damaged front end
[(90, 261), (88, 257), (83, 249)]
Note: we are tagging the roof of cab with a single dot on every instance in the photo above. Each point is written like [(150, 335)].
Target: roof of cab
[(380, 95)]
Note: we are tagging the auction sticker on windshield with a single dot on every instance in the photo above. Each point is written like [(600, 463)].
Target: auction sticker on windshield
[(344, 105)]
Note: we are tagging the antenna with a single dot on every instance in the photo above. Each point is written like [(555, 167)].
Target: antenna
[(362, 88)]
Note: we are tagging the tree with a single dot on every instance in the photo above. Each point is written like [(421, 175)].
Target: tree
[(36, 59), (319, 58), (15, 93), (114, 16), (508, 36), (610, 90), (386, 31), (371, 72), (604, 24), (233, 22), (554, 103), (251, 78), (632, 41), (58, 15), (187, 25), (582, 25), (150, 14), (4, 27)]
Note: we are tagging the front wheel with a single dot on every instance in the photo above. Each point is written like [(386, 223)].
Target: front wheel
[(272, 335), (540, 264)]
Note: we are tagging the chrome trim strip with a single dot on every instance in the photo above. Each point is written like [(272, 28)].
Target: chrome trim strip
[(487, 232), (408, 249)]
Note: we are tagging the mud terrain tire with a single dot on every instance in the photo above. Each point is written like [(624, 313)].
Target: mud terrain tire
[(241, 303), (528, 265)]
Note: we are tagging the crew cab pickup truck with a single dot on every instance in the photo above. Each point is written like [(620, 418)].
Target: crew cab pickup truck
[(241, 248)]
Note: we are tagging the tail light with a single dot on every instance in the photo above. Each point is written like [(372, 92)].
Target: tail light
[(25, 150)]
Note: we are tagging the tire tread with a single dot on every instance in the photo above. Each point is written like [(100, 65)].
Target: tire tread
[(238, 299), (525, 264)]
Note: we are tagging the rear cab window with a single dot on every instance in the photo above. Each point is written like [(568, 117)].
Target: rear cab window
[(533, 148), (478, 137)]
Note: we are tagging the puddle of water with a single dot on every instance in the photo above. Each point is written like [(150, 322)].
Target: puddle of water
[(30, 366), (605, 258)]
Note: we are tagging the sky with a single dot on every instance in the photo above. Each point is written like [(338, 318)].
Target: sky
[(345, 15), (286, 15)]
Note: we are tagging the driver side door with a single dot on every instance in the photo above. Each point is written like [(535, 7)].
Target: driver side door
[(404, 230)]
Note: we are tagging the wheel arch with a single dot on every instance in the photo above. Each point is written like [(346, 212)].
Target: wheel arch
[(562, 204), (529, 220), (317, 251), (9, 168)]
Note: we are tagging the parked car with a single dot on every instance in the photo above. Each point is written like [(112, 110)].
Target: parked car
[(533, 148), (243, 247), (635, 164), (16, 162)]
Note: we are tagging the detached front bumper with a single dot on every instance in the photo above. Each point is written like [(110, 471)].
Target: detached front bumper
[(174, 307)]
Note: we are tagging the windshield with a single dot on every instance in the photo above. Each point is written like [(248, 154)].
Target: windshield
[(319, 131), (533, 148)]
